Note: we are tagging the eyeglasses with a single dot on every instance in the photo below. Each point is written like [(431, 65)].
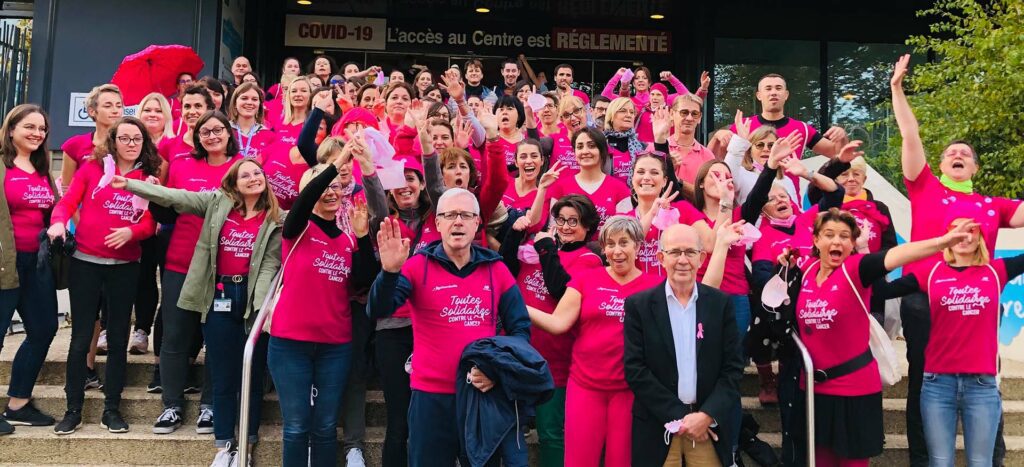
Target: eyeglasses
[(185, 81), (451, 215), (335, 187), (129, 141), (207, 132), (689, 113), (572, 221), (568, 114), (690, 253), (764, 144), (250, 175)]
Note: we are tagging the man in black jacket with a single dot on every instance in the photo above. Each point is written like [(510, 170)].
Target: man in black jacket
[(682, 361)]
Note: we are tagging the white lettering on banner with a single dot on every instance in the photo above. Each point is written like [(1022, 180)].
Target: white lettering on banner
[(335, 32)]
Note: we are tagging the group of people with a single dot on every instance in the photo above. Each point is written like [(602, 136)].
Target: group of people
[(495, 255)]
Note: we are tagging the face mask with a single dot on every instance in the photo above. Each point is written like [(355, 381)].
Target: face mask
[(528, 254), (748, 235), (775, 292), (787, 222), (108, 174), (665, 218), (672, 428)]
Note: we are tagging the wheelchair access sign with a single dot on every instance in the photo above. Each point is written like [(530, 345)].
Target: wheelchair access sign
[(78, 116)]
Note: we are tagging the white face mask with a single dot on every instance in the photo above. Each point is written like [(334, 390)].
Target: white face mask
[(775, 292)]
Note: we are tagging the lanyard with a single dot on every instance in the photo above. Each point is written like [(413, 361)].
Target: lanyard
[(248, 143)]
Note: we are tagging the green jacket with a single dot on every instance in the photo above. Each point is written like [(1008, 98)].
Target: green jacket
[(8, 255), (198, 291)]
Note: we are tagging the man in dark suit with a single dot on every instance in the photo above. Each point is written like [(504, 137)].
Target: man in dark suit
[(682, 360)]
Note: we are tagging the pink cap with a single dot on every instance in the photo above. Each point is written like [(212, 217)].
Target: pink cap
[(969, 210), (660, 88), (412, 163), (355, 115)]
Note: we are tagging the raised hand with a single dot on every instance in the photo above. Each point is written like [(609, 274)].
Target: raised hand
[(661, 123), (726, 187), (322, 100), (793, 166), (664, 201), (705, 80), (620, 71), (551, 176), (784, 147), (729, 234), (394, 249), (549, 233), (837, 134), (864, 238), (851, 151), (742, 126), (417, 111), (665, 76), (359, 217), (958, 234), (463, 132), (451, 82), (490, 123), (522, 224), (899, 71), (426, 141)]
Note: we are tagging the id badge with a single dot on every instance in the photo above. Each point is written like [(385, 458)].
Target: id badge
[(222, 305)]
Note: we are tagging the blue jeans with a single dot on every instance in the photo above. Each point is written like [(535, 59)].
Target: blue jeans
[(971, 397), (225, 345), (741, 307), (36, 302), (310, 379)]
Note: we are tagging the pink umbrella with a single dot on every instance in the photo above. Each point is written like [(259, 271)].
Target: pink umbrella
[(155, 69)]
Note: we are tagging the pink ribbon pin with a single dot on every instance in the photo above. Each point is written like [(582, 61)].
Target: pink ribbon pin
[(700, 330)]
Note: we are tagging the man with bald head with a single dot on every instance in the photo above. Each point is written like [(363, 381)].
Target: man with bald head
[(682, 358)]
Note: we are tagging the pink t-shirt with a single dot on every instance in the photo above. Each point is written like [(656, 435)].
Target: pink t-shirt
[(175, 149), (562, 152), (274, 112), (605, 198), (448, 313), (556, 349), (783, 128), (102, 210), (508, 148), (621, 163), (28, 198), (79, 148), (773, 241), (965, 317), (734, 278), (600, 342), (237, 237), (322, 264), (288, 133), (191, 174), (253, 146), (692, 159), (647, 254), (929, 201), (834, 327), (512, 199), (282, 175)]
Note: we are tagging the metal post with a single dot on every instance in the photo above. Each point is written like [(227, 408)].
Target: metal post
[(809, 373), (250, 346)]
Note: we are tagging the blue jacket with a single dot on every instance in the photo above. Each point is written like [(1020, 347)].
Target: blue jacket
[(493, 420)]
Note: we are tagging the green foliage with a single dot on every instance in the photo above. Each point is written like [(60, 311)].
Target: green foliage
[(974, 91)]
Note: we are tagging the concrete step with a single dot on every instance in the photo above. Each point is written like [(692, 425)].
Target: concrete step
[(92, 445)]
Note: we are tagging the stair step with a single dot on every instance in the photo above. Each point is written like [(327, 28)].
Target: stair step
[(92, 445)]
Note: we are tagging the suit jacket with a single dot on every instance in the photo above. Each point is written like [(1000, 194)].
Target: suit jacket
[(650, 363)]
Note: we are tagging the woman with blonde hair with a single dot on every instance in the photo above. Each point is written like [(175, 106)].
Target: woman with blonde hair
[(155, 113), (297, 104)]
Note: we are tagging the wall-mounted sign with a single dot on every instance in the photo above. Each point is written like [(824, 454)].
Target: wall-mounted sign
[(335, 32)]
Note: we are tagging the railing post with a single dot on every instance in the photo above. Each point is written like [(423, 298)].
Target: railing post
[(250, 347), (809, 374)]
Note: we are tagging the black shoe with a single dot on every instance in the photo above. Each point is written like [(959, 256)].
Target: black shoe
[(5, 428), (113, 421), (154, 386), (92, 380), (28, 415), (194, 385), (204, 424), (168, 421), (71, 422)]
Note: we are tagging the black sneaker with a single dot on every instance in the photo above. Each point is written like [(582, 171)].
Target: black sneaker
[(113, 421), (28, 415), (5, 428), (92, 380), (194, 385), (154, 386), (168, 421), (71, 422), (204, 424)]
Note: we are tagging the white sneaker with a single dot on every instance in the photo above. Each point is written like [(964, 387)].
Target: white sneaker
[(101, 343), (354, 458), (224, 458), (139, 343)]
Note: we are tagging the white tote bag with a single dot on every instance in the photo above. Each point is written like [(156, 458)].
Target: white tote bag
[(881, 346)]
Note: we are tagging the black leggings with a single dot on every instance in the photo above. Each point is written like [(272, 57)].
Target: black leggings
[(115, 285), (393, 348)]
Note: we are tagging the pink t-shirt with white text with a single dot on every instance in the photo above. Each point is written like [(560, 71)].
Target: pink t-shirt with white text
[(600, 342), (448, 313), (622, 162), (288, 133), (322, 264), (647, 254), (605, 198), (965, 317), (282, 174), (175, 149), (196, 175), (734, 278), (28, 198), (834, 327), (562, 152), (237, 238)]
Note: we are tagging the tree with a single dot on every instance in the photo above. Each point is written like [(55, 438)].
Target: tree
[(974, 91)]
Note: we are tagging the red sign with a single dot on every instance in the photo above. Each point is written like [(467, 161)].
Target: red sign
[(611, 40)]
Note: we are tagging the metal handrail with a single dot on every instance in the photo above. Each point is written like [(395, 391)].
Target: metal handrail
[(809, 373), (250, 347)]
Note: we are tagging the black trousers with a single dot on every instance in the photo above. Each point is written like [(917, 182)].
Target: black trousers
[(393, 348), (116, 286)]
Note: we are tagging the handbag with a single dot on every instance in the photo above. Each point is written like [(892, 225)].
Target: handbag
[(271, 302), (57, 254), (881, 346)]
